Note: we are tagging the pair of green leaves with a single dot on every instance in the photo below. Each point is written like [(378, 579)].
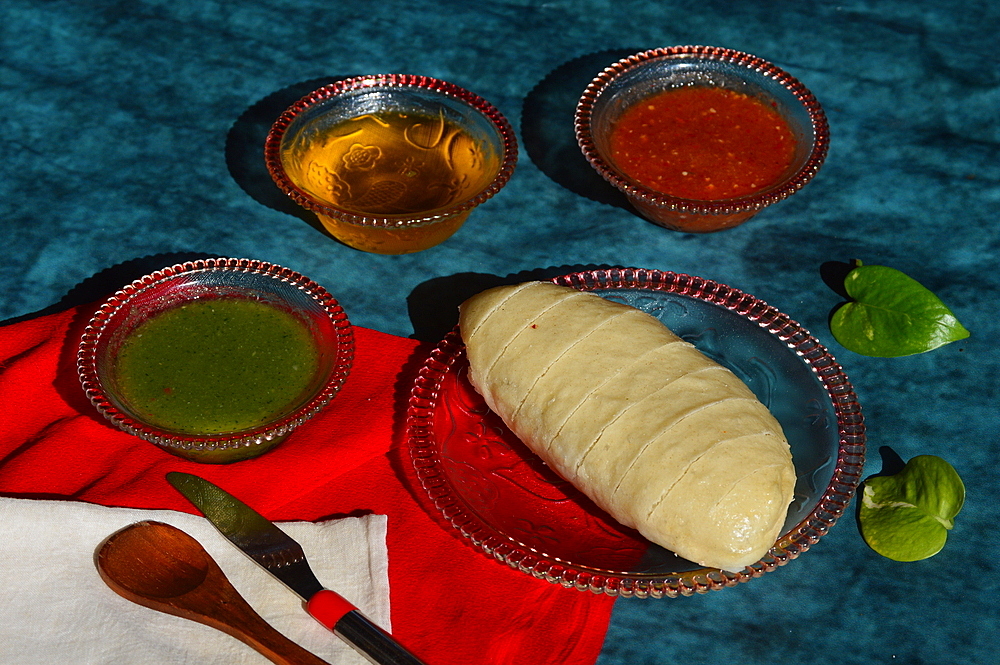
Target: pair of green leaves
[(891, 314), (906, 517)]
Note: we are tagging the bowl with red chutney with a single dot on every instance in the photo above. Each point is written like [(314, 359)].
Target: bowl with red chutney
[(216, 360), (701, 138)]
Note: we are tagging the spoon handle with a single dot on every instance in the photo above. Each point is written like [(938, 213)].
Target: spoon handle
[(243, 623)]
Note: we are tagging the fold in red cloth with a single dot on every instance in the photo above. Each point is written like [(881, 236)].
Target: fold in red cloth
[(450, 603)]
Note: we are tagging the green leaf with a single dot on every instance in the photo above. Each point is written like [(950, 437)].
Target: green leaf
[(906, 517), (892, 315)]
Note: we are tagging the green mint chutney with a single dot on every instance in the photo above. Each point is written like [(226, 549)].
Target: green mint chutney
[(217, 366)]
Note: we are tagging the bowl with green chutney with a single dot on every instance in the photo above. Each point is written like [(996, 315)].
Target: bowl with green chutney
[(216, 360)]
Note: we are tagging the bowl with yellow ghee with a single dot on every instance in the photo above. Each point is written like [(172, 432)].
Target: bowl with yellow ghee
[(701, 138), (391, 164), (216, 360)]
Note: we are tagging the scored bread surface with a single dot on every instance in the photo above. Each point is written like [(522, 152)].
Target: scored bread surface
[(554, 404), (658, 435)]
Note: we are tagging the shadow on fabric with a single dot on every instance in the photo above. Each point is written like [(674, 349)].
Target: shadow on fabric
[(433, 305), (547, 127), (245, 149), (102, 285)]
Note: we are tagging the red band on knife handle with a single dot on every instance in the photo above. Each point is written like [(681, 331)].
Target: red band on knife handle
[(328, 607)]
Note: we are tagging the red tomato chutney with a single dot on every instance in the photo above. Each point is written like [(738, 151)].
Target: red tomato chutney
[(702, 143)]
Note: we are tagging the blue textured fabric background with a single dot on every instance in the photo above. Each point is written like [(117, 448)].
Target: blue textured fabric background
[(131, 137)]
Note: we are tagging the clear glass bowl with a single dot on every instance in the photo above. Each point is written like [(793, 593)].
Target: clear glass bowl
[(391, 164), (206, 280), (639, 76), (510, 505)]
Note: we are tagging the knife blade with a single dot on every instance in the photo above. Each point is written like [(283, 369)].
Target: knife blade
[(280, 555)]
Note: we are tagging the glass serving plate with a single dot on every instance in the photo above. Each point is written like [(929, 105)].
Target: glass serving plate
[(510, 505)]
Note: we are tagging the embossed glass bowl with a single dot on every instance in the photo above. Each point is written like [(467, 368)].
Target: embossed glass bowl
[(391, 164), (511, 506), (639, 76), (210, 280)]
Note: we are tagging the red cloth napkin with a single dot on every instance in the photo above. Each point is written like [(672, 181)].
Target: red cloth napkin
[(450, 602)]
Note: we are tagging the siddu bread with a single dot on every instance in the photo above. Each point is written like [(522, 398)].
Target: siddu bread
[(658, 435)]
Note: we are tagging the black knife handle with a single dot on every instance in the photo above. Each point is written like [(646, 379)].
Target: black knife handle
[(372, 642)]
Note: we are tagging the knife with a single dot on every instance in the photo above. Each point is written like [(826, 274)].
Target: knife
[(276, 552)]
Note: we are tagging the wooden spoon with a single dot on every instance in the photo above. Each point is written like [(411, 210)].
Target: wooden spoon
[(161, 567)]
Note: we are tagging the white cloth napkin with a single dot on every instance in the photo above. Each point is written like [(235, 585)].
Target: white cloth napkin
[(56, 609)]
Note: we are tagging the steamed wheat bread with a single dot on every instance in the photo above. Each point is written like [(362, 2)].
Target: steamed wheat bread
[(658, 435)]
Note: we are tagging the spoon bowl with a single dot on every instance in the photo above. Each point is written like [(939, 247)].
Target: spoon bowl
[(160, 567)]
